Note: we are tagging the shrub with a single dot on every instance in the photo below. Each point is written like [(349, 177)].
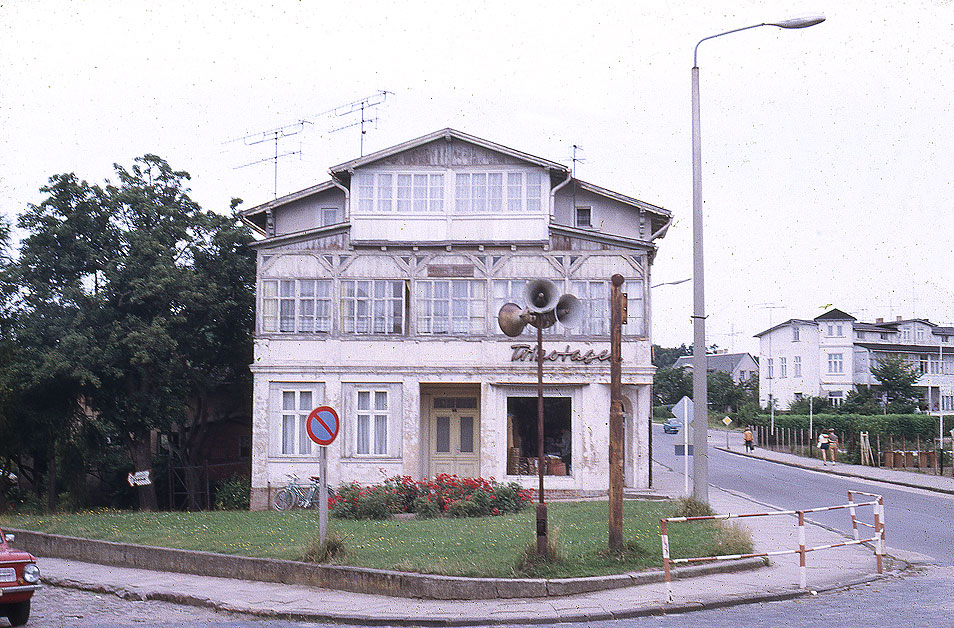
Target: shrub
[(233, 493), (691, 507), (426, 507), (317, 552), (445, 494)]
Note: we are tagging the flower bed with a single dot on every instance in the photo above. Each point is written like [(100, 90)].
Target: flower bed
[(445, 495)]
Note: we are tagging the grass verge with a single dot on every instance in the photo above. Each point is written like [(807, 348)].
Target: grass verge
[(481, 547)]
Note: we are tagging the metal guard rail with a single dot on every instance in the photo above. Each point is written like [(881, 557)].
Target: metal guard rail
[(877, 505)]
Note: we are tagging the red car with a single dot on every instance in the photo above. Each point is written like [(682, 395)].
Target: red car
[(19, 578)]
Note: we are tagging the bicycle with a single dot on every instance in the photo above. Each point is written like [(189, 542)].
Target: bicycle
[(298, 495)]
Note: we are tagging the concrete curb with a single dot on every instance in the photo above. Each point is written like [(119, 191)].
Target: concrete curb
[(832, 471), (351, 579), (404, 620)]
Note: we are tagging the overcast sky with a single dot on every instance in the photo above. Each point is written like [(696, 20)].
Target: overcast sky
[(828, 152)]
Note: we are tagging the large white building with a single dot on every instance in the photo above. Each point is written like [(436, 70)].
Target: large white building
[(378, 292), (832, 354)]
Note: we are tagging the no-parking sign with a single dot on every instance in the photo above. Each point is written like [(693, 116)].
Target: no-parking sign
[(323, 425)]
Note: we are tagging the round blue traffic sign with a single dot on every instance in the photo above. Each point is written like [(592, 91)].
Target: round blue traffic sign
[(323, 425)]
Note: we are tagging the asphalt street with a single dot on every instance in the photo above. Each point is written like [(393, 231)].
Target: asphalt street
[(915, 520)]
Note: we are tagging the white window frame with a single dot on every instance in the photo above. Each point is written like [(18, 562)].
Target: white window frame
[(836, 397), (495, 191), (594, 296), (372, 420), (836, 363), (290, 404), (796, 366), (795, 333), (782, 368), (771, 368), (450, 306), (288, 303), (404, 192), (370, 307), (584, 217)]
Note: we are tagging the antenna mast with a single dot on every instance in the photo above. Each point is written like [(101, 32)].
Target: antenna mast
[(273, 135), (360, 106)]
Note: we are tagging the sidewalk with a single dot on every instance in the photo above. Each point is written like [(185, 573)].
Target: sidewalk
[(899, 477), (854, 564)]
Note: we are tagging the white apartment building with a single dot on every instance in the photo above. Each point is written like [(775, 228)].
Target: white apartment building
[(378, 292), (832, 354)]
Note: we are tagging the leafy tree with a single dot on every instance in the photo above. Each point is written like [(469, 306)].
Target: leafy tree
[(134, 312), (670, 385), (861, 401), (665, 357), (819, 405), (55, 345), (897, 379), (723, 393)]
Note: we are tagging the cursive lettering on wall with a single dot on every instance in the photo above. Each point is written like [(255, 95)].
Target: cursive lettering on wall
[(528, 353)]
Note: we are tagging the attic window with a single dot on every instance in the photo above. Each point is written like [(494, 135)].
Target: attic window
[(329, 216), (584, 217)]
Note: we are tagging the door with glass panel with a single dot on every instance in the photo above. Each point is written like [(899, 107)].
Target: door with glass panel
[(455, 436)]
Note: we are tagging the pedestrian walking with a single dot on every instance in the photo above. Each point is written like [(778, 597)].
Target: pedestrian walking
[(823, 444), (832, 445), (749, 439)]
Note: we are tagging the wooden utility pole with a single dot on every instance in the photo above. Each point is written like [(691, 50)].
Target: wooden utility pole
[(617, 316)]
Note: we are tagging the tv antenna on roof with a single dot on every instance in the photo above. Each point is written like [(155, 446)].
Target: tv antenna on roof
[(575, 159), (361, 106), (273, 135)]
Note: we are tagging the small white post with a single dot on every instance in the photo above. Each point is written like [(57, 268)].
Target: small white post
[(323, 496), (802, 575)]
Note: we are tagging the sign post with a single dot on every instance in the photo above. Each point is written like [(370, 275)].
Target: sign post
[(726, 422), (683, 411), (322, 427)]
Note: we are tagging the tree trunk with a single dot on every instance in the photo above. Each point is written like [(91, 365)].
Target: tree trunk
[(141, 454), (51, 477)]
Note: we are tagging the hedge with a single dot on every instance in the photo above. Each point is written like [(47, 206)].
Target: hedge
[(909, 426)]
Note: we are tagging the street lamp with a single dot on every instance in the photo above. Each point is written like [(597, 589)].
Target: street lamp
[(700, 419)]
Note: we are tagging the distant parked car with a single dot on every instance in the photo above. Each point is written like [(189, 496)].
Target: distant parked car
[(671, 426), (19, 579)]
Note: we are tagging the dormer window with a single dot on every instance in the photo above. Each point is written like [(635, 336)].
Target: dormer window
[(584, 217)]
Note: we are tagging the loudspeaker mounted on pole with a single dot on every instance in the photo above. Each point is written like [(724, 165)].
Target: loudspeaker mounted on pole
[(569, 311), (544, 308), (512, 319), (541, 295)]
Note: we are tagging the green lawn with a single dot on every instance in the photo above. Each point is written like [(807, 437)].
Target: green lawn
[(489, 546)]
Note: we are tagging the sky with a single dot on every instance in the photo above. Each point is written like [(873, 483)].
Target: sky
[(828, 152)]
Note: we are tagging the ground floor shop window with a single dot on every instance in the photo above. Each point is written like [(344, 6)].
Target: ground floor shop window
[(522, 444)]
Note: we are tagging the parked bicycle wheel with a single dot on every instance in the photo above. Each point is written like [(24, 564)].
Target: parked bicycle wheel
[(286, 499)]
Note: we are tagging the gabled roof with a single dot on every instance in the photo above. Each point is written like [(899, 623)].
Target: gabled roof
[(874, 327), (725, 362), (791, 321), (255, 216), (835, 314), (447, 133), (622, 198)]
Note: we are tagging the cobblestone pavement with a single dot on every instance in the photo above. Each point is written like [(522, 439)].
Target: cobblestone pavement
[(923, 597)]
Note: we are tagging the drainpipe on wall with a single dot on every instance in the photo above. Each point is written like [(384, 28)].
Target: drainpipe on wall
[(347, 194), (569, 177)]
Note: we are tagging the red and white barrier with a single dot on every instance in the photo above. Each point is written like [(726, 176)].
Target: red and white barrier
[(877, 505)]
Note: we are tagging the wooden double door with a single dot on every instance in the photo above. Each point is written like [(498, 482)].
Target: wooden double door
[(455, 435)]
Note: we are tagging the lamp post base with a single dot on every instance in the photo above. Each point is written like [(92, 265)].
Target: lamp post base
[(542, 529)]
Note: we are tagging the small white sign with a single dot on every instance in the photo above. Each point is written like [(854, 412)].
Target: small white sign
[(139, 478)]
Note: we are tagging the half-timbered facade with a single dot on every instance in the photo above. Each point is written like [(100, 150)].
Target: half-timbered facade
[(378, 294)]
